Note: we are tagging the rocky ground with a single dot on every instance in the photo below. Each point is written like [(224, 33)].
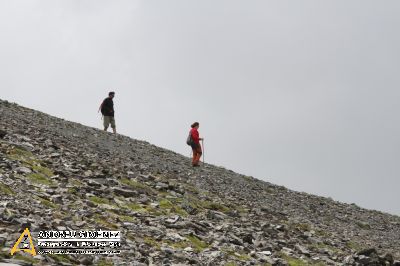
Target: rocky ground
[(61, 175)]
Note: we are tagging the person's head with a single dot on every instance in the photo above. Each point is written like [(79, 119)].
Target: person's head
[(195, 125), (111, 94)]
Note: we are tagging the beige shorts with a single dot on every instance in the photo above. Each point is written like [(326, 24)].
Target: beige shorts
[(107, 120)]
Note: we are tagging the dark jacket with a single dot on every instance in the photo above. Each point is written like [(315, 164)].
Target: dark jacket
[(107, 107)]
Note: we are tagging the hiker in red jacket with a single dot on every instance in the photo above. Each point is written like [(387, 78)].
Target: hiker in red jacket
[(196, 147)]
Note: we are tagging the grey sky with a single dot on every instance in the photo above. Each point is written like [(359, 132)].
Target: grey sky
[(298, 93)]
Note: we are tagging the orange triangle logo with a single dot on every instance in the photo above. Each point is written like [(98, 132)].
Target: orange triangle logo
[(25, 240)]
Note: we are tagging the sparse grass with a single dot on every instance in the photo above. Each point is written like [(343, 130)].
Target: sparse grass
[(43, 170), (242, 256), (298, 262), (76, 182), (241, 209), (39, 179), (191, 188), (165, 204), (213, 206), (325, 246), (178, 245), (136, 207), (28, 259), (190, 241), (179, 210), (137, 185), (59, 258), (354, 246), (18, 153), (125, 218), (47, 203), (4, 189), (99, 200), (196, 243), (73, 190), (152, 242), (293, 261), (105, 262), (103, 221), (238, 255)]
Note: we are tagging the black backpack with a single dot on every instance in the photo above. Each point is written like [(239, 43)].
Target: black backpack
[(102, 108), (189, 140)]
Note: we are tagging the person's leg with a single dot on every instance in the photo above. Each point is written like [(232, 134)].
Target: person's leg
[(194, 150), (194, 156), (198, 154), (106, 121), (113, 125)]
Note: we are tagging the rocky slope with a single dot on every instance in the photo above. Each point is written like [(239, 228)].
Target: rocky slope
[(60, 175)]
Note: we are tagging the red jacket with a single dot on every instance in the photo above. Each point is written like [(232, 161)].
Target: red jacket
[(195, 135)]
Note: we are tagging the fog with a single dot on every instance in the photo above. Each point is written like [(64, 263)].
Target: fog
[(297, 93)]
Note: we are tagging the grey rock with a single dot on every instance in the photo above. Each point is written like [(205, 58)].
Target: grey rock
[(367, 252), (23, 170), (228, 214), (125, 192), (2, 134)]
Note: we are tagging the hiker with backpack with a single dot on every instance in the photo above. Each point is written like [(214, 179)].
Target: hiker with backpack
[(107, 110), (194, 141)]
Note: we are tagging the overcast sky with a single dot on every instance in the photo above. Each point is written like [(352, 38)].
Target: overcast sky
[(303, 94)]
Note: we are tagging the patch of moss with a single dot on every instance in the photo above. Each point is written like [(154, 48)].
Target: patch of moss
[(48, 203), (242, 256), (18, 153), (60, 258), (73, 190), (325, 246), (75, 182), (196, 243), (165, 204), (155, 211), (99, 200), (105, 262), (43, 170), (230, 263), (103, 221), (125, 218), (136, 207), (241, 209), (4, 189), (191, 188), (137, 185), (28, 259), (213, 206), (354, 246), (238, 255), (152, 242), (178, 245), (39, 179), (293, 261), (179, 210)]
